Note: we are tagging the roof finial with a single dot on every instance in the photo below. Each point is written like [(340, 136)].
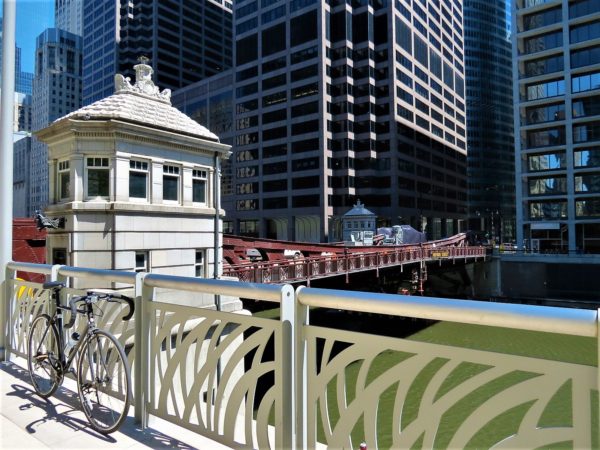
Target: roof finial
[(143, 82)]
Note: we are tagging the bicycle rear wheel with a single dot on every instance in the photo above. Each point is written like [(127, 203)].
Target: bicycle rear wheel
[(104, 382), (43, 356)]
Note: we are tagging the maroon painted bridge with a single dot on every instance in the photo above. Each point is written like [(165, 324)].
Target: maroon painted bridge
[(268, 261)]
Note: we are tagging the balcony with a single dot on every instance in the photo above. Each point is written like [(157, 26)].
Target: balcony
[(255, 382)]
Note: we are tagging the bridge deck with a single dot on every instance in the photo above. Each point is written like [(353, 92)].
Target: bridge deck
[(310, 265)]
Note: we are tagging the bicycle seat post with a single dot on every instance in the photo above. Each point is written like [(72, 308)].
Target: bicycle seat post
[(55, 308)]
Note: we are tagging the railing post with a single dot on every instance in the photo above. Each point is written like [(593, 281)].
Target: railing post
[(302, 319), (286, 437), (6, 313), (598, 367), (144, 326)]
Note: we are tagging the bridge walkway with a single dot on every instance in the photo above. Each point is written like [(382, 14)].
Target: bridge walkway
[(28, 421)]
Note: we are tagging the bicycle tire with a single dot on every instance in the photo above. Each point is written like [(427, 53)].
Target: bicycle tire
[(104, 381), (43, 356)]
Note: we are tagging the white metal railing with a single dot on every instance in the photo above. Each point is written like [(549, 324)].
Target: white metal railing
[(249, 382)]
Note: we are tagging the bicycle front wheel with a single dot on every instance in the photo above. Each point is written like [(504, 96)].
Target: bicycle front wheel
[(104, 382), (43, 356)]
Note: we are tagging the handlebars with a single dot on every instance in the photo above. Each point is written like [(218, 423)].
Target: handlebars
[(99, 296), (56, 286)]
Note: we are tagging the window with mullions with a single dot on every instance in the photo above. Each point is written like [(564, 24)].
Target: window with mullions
[(548, 210), (199, 264), (585, 82), (170, 183), (98, 174), (587, 182), (141, 262), (587, 207), (64, 180), (548, 185), (199, 180), (138, 179), (589, 157)]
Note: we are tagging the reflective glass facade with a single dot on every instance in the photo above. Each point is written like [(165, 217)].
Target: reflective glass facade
[(186, 41), (557, 84), (488, 63)]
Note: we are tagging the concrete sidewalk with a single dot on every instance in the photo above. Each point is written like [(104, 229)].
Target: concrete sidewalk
[(28, 421)]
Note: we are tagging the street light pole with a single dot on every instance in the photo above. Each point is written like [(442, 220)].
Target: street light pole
[(6, 158)]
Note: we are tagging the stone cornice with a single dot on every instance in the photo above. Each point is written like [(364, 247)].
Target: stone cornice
[(119, 130), (130, 208)]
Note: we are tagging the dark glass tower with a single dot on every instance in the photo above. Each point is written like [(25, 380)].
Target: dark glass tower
[(186, 41), (490, 131)]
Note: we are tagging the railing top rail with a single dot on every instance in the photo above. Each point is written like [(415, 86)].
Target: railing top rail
[(117, 276), (268, 292), (45, 269), (525, 317)]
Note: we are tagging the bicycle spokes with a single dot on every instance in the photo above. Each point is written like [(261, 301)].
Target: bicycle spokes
[(104, 385), (44, 356)]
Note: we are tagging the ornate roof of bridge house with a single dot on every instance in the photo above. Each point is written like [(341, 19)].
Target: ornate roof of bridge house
[(143, 103), (359, 210)]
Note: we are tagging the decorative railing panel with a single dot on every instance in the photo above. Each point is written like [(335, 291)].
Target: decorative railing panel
[(440, 396), (27, 301), (215, 373)]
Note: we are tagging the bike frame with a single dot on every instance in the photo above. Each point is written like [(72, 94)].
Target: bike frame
[(57, 319)]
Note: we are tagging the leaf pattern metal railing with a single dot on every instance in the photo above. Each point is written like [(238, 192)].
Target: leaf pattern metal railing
[(442, 397), (223, 402), (28, 300), (230, 377)]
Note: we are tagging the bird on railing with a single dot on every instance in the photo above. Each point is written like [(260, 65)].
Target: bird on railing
[(45, 222)]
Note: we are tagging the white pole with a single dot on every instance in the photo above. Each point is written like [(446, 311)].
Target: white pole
[(6, 158)]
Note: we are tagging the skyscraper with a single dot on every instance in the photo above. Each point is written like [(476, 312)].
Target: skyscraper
[(490, 143), (68, 15), (56, 92), (185, 41), (556, 58), (335, 102), (23, 80)]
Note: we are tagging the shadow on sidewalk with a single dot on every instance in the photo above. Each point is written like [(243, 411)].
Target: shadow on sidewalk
[(68, 402)]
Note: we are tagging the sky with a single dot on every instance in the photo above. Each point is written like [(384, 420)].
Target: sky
[(33, 17)]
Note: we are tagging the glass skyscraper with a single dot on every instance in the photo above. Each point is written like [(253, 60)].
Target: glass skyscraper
[(56, 92), (185, 41), (556, 57), (490, 143)]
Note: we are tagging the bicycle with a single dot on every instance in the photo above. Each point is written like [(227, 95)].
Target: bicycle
[(103, 375)]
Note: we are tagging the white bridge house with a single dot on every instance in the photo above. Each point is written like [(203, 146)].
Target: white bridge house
[(138, 184)]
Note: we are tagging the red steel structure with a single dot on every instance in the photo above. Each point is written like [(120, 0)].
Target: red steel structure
[(29, 245), (268, 261)]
